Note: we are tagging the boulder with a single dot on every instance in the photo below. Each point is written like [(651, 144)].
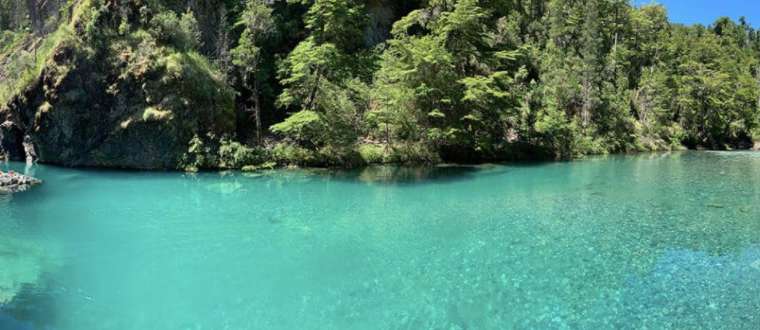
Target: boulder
[(11, 182)]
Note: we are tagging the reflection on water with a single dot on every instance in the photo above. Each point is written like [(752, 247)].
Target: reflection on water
[(648, 241), (406, 175)]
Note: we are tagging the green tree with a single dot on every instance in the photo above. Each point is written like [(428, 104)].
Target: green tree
[(258, 24), (316, 76)]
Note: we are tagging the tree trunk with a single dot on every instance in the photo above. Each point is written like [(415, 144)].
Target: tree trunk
[(223, 44), (257, 109), (34, 15), (387, 136), (757, 74), (586, 107), (313, 93)]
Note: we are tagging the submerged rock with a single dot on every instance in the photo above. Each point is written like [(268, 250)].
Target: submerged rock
[(24, 269), (22, 264), (13, 182)]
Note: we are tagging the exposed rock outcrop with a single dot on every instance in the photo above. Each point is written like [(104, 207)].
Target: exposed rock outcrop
[(129, 103), (13, 182), (11, 141)]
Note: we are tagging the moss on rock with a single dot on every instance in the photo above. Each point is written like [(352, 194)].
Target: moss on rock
[(108, 94)]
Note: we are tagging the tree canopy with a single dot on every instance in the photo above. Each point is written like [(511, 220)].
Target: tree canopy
[(465, 80)]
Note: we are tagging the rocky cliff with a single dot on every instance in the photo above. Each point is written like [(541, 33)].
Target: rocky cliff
[(113, 97)]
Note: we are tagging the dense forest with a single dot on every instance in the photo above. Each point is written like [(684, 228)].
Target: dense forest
[(195, 84)]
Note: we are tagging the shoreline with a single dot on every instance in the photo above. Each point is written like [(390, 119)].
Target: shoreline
[(407, 165)]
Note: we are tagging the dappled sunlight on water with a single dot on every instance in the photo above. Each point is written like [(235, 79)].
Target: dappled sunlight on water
[(657, 240)]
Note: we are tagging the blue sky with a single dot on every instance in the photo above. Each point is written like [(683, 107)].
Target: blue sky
[(706, 11)]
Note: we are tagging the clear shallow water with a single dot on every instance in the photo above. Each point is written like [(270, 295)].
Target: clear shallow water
[(658, 241)]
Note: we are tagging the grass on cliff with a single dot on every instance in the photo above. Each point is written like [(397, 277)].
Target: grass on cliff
[(25, 66), (10, 40), (24, 55)]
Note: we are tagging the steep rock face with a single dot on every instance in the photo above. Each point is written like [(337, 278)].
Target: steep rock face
[(11, 140), (128, 111)]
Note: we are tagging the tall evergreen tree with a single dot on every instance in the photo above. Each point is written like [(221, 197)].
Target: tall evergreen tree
[(258, 23)]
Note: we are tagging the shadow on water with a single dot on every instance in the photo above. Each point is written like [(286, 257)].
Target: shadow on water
[(379, 174), (388, 174), (399, 174), (27, 270), (376, 174), (9, 322), (30, 309)]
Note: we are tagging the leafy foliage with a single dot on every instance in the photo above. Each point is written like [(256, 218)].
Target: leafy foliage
[(464, 80), (180, 31)]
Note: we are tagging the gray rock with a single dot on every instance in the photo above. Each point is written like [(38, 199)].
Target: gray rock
[(13, 182)]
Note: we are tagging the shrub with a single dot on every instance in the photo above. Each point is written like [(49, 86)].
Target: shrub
[(413, 153), (303, 127), (181, 32), (289, 154), (342, 156), (233, 155), (198, 155), (213, 153), (372, 153)]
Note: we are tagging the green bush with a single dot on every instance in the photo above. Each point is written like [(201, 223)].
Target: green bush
[(341, 156), (289, 154), (213, 153), (372, 153), (234, 155), (199, 155), (180, 32), (413, 153), (305, 127)]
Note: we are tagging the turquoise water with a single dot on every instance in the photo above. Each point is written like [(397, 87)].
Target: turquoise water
[(657, 241)]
